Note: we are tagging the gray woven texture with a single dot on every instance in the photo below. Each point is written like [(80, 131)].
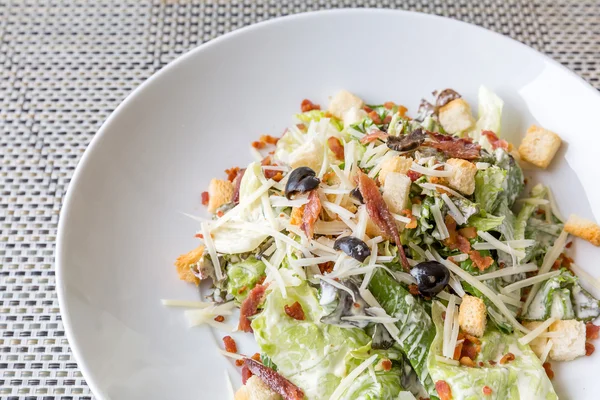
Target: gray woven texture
[(65, 65)]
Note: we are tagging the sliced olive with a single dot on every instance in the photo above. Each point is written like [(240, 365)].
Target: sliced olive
[(406, 142), (353, 246), (301, 180), (357, 195), (432, 277)]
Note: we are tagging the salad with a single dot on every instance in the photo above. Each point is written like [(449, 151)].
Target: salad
[(374, 255)]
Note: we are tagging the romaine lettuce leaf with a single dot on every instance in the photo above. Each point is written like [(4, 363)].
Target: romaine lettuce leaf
[(515, 182), (312, 355), (489, 183), (416, 328), (487, 223), (522, 378), (386, 386), (243, 276), (489, 117)]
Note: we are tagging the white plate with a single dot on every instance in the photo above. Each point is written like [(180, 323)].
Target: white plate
[(121, 226)]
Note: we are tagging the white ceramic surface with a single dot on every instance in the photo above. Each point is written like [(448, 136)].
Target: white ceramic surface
[(121, 226)]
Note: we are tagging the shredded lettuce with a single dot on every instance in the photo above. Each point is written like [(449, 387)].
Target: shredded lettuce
[(387, 385), (489, 183), (243, 276)]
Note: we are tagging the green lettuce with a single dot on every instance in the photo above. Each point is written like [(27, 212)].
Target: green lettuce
[(515, 182), (562, 297), (316, 115), (489, 117), (316, 356), (387, 385), (522, 378), (487, 223), (489, 183), (243, 276), (416, 328)]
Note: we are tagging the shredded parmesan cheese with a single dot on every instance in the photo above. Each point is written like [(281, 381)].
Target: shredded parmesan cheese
[(439, 221), (349, 379), (454, 211), (546, 351), (554, 206), (529, 281), (537, 331), (446, 360), (431, 171), (508, 271), (448, 324), (498, 245), (212, 250)]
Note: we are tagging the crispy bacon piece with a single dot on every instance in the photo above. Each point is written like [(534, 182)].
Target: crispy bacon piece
[(204, 197), (259, 145), (219, 318), (495, 141), (239, 363), (455, 241), (487, 391), (413, 289), (386, 364), (508, 357), (470, 347), (548, 368), (232, 173), (246, 374), (256, 357), (249, 307), (230, 345), (308, 105), (375, 117), (467, 362), (402, 111), (589, 349), (273, 380), (470, 232), (373, 136), (591, 331), (269, 139), (453, 146), (311, 214), (336, 146), (443, 390), (326, 267), (480, 261), (379, 213), (295, 311), (389, 105), (236, 185), (413, 220), (414, 175)]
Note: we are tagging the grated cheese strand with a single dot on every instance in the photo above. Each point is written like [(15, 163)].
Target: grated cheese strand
[(454, 211), (546, 351), (507, 271), (448, 324), (537, 331), (212, 250), (349, 379), (439, 221), (500, 246), (431, 171), (529, 281)]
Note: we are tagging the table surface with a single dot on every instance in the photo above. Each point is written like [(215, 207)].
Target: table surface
[(65, 65)]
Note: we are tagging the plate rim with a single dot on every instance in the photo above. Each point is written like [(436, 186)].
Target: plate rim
[(84, 162)]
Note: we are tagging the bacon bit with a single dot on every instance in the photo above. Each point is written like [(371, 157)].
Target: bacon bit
[(589, 349), (379, 213), (261, 280), (219, 318), (472, 339), (481, 363), (568, 245), (336, 146), (470, 349), (457, 351), (416, 200), (548, 368), (487, 390), (296, 215), (259, 145), (413, 289), (239, 363), (326, 267), (480, 262), (276, 382), (256, 357), (443, 390), (408, 214), (375, 117), (328, 176), (454, 240), (204, 196), (308, 105), (591, 331), (508, 357), (295, 311), (389, 105), (199, 236), (469, 232), (246, 373), (311, 213), (492, 362), (495, 141), (454, 147), (232, 173), (269, 139), (467, 362), (367, 109), (230, 345), (236, 184), (387, 119), (301, 127), (414, 175), (402, 111), (220, 213), (243, 289), (373, 136), (386, 364), (249, 307)]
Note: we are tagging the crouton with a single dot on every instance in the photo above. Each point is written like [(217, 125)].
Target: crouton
[(571, 343), (219, 192), (539, 146), (399, 164), (343, 102), (256, 389), (472, 315), (296, 215), (373, 230), (584, 229), (185, 262), (395, 191), (539, 343), (353, 115), (463, 177), (456, 116)]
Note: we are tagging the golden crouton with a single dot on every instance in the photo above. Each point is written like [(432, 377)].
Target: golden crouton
[(472, 316), (463, 177), (539, 146), (395, 191), (343, 102), (584, 229), (256, 389), (296, 215), (539, 343), (219, 192), (399, 164), (456, 116), (185, 262), (373, 230), (571, 343)]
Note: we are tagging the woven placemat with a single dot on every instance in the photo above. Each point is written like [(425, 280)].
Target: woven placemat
[(65, 65)]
